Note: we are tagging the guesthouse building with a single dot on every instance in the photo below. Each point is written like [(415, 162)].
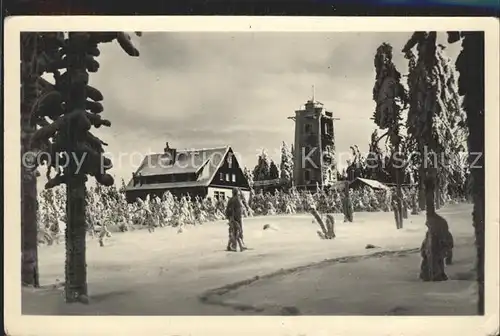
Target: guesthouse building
[(207, 172)]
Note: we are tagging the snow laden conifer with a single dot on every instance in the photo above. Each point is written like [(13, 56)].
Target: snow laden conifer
[(249, 176), (38, 53), (123, 186), (436, 121), (73, 108), (355, 166), (433, 118), (422, 94), (274, 172), (451, 127), (262, 170), (286, 164), (374, 159), (390, 99)]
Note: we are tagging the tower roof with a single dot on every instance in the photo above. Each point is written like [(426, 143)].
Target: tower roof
[(315, 102), (311, 104)]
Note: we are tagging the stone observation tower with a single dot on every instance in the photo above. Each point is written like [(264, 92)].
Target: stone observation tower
[(314, 147)]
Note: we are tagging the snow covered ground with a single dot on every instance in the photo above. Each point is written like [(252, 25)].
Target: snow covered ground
[(288, 271)]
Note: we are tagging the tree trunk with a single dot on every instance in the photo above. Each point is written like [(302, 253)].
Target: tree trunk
[(478, 222), (476, 146), (330, 224), (475, 120), (29, 225), (414, 203), (432, 267), (347, 205), (399, 201), (437, 198), (76, 265), (430, 193), (318, 219), (421, 186)]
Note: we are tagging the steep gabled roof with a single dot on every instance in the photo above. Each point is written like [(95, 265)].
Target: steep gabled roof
[(372, 183), (206, 161), (187, 161)]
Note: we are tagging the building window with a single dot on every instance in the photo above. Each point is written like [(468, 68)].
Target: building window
[(230, 160), (308, 128), (222, 176), (228, 177), (234, 177), (307, 175), (329, 128), (219, 195)]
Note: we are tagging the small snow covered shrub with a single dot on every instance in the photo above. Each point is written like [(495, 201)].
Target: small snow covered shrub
[(108, 205)]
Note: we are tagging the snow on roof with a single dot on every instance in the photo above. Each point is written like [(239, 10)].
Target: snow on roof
[(372, 183), (187, 161)]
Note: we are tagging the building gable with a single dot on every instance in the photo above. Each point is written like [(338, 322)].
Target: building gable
[(229, 173)]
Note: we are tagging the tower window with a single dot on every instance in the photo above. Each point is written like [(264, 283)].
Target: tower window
[(219, 195), (328, 128), (308, 128)]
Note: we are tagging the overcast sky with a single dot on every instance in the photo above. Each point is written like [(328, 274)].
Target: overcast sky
[(200, 90)]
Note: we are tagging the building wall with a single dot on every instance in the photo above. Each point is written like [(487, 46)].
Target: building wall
[(132, 195), (307, 136), (168, 178), (246, 194), (214, 191), (329, 163), (271, 185), (202, 192)]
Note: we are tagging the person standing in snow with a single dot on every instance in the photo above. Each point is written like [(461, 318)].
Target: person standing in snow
[(234, 216)]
